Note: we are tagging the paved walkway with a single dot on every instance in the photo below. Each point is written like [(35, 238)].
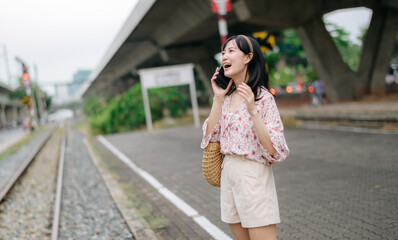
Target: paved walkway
[(9, 137), (335, 185)]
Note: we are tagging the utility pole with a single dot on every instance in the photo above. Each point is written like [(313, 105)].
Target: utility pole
[(28, 99), (41, 102), (7, 66), (221, 7)]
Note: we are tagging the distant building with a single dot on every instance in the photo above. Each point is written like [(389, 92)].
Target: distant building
[(79, 78), (67, 92), (61, 93)]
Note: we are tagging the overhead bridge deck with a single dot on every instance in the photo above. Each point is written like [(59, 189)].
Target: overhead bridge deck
[(169, 32)]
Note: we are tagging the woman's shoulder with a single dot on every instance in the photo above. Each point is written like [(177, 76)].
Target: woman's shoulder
[(264, 95)]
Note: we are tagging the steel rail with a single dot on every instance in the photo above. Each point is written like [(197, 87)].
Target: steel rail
[(57, 205), (25, 164)]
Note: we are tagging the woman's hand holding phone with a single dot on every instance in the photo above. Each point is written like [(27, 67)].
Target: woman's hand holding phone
[(221, 79), (219, 92)]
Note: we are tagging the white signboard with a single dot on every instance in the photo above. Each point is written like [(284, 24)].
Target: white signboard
[(165, 77)]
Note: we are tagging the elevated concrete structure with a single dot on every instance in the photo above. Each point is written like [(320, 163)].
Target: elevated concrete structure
[(11, 112), (177, 31)]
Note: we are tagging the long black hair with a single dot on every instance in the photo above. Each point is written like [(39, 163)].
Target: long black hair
[(256, 68)]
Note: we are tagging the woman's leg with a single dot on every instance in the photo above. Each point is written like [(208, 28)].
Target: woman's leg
[(263, 233), (239, 232)]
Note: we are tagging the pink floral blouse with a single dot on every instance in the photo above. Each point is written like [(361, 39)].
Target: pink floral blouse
[(236, 134)]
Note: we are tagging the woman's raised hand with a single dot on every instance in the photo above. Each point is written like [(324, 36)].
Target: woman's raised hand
[(246, 92), (218, 91)]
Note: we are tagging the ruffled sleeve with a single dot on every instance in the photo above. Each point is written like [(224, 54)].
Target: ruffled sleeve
[(270, 115), (214, 135)]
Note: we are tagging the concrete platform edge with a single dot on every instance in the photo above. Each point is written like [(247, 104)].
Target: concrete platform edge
[(138, 225)]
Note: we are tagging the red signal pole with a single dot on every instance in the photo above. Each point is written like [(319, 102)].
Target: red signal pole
[(27, 83), (222, 28), (221, 7)]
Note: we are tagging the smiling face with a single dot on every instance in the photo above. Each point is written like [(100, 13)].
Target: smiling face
[(234, 61)]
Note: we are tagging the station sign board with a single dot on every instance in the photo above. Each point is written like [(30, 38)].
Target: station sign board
[(168, 76)]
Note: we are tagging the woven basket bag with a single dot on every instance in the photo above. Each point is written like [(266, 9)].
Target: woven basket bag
[(211, 163)]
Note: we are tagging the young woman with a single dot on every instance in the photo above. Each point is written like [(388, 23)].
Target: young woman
[(245, 120)]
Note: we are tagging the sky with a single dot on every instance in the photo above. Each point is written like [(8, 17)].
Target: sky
[(60, 37), (352, 20)]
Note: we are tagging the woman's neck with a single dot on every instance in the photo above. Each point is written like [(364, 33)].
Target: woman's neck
[(239, 79)]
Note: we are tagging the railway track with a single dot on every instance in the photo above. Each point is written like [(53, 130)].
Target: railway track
[(55, 192), (5, 189), (36, 172)]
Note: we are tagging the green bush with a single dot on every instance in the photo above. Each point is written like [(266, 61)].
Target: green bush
[(127, 112), (92, 106), (101, 123), (172, 99)]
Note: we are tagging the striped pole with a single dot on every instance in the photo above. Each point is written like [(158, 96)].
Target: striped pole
[(222, 28), (221, 7)]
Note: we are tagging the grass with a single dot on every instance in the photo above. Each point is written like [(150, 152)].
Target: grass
[(16, 146), (159, 222), (59, 131), (84, 127)]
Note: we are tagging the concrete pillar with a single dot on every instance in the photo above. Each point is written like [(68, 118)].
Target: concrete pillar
[(14, 113), (385, 51), (35, 117), (9, 114), (369, 51), (3, 120), (326, 58), (21, 114), (40, 103), (377, 51)]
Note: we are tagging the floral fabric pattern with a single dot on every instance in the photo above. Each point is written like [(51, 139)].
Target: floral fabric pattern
[(236, 134)]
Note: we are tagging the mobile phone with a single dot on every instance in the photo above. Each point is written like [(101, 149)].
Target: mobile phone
[(221, 79)]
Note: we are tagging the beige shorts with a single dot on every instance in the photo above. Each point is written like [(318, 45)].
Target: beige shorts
[(248, 193)]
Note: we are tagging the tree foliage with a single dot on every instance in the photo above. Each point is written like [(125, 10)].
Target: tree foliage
[(289, 59), (126, 112), (350, 52), (18, 93), (291, 44)]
